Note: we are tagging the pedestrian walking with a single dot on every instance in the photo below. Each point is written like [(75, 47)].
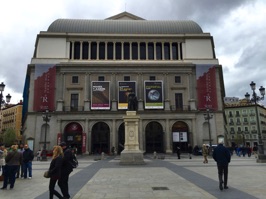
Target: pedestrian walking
[(190, 151), (255, 151), (178, 152), (222, 157), (28, 156), (38, 155), (205, 153), (55, 171), (66, 170), (13, 160)]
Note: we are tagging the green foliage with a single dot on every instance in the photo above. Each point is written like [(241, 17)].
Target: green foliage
[(9, 137)]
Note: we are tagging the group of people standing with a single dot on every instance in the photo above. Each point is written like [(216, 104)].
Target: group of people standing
[(14, 161)]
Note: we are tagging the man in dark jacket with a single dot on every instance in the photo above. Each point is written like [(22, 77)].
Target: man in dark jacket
[(27, 161), (222, 157), (66, 170)]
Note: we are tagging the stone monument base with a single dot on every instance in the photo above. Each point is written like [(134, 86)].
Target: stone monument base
[(261, 158), (131, 158)]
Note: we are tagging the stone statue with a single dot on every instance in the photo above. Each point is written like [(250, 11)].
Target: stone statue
[(132, 102)]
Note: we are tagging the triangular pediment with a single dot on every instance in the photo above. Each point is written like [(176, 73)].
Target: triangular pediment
[(125, 16)]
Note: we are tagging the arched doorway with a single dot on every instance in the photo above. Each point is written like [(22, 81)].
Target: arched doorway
[(121, 138), (154, 138), (180, 136), (100, 138), (73, 136)]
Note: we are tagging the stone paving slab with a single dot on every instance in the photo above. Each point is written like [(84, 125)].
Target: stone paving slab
[(182, 179)]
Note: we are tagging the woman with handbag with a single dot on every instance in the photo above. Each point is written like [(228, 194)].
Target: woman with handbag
[(55, 171), (13, 160)]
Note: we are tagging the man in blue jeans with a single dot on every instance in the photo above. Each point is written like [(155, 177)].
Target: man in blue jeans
[(27, 161)]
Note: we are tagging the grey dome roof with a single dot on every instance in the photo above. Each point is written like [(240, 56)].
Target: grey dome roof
[(124, 26)]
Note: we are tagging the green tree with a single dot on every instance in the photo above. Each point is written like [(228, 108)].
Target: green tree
[(10, 137)]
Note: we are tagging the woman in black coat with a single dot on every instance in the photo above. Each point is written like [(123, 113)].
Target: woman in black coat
[(55, 171)]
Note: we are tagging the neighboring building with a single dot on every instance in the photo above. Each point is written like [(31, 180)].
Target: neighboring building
[(82, 71), (242, 125), (11, 117)]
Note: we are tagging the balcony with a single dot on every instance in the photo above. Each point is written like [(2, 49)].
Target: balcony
[(245, 123), (252, 114), (252, 122), (73, 109), (238, 123), (254, 131), (183, 108), (232, 132), (231, 123)]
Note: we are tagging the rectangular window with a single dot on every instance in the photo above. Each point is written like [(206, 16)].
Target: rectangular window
[(74, 102), (135, 51), (70, 51), (152, 78), (75, 79), (101, 78), (110, 50), (93, 50), (85, 50), (151, 51), (181, 52), (118, 50), (174, 51), (166, 51), (101, 50), (126, 78), (177, 79), (126, 51), (179, 101), (77, 50), (142, 51), (159, 51)]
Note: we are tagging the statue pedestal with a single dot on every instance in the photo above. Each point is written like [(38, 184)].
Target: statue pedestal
[(131, 153)]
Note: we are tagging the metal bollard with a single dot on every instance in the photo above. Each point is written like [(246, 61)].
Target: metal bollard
[(154, 155), (102, 157)]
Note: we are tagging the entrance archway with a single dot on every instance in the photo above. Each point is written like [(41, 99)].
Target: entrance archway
[(154, 138), (180, 136), (100, 138), (73, 136), (121, 138)]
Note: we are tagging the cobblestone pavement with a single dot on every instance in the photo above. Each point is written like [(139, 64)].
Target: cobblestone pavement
[(159, 178)]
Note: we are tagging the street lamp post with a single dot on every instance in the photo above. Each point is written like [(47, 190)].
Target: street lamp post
[(8, 97), (207, 117), (46, 118), (254, 99)]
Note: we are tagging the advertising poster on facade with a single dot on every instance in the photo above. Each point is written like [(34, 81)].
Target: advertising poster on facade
[(180, 137), (206, 87), (153, 92), (100, 95), (124, 88), (44, 87)]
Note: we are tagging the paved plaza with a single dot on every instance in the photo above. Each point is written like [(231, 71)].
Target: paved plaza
[(159, 178)]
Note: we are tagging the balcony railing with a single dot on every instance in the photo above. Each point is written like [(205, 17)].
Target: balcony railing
[(183, 108), (71, 108)]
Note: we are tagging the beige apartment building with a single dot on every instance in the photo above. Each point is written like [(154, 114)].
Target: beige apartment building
[(11, 117), (83, 70), (242, 125)]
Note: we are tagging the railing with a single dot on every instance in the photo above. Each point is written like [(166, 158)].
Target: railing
[(183, 108), (71, 108)]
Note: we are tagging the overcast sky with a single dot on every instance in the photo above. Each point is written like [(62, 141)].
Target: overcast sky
[(237, 26)]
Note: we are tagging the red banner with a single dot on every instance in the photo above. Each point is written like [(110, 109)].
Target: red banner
[(84, 142), (206, 87), (44, 87)]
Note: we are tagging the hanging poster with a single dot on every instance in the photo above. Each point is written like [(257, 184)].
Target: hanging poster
[(153, 93), (124, 88), (44, 87), (206, 87), (100, 95)]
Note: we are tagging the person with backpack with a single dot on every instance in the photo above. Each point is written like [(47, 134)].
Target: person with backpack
[(67, 168)]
